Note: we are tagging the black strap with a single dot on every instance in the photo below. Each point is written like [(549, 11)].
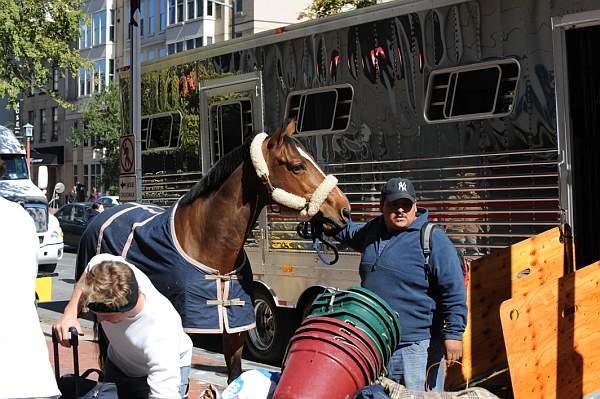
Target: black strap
[(426, 242), (75, 345)]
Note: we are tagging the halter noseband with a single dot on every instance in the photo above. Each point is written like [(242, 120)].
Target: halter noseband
[(307, 208)]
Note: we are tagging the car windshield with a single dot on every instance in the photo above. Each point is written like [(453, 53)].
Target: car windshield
[(16, 167)]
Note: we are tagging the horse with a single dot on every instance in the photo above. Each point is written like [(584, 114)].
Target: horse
[(200, 239)]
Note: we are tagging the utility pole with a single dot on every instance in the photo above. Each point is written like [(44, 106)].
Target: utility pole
[(135, 96)]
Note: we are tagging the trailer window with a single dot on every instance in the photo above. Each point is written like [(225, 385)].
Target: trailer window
[(161, 131), (472, 92), (231, 123), (321, 110)]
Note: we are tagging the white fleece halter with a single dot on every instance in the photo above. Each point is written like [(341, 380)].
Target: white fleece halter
[(282, 197)]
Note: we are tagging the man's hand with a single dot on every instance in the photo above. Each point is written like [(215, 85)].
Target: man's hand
[(62, 329), (454, 351)]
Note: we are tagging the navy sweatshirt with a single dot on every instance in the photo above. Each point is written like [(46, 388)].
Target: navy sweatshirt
[(393, 267)]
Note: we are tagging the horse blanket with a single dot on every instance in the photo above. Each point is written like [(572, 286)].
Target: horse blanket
[(145, 236)]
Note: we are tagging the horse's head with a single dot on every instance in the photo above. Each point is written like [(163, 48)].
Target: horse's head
[(296, 181)]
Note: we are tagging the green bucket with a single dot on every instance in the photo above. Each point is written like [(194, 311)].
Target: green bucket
[(350, 300)]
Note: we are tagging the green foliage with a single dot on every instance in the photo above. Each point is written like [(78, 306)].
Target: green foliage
[(323, 8), (35, 37), (102, 120)]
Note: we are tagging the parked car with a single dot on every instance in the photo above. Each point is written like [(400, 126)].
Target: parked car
[(109, 200), (73, 219), (51, 246)]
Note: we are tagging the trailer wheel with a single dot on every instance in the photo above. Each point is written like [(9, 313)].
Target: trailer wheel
[(268, 340)]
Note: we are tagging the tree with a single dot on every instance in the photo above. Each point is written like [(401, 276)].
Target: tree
[(323, 8), (102, 124), (37, 36)]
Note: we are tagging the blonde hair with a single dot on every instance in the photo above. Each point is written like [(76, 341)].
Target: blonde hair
[(109, 283)]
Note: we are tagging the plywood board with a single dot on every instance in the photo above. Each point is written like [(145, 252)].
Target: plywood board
[(552, 336), (493, 279)]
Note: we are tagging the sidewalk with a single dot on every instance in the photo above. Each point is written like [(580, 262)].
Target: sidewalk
[(207, 367)]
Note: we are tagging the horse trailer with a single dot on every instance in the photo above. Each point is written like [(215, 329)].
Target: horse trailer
[(489, 106)]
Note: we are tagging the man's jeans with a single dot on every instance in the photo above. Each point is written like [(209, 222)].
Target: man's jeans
[(409, 363), (137, 387)]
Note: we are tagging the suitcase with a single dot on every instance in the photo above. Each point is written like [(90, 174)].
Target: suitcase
[(75, 386)]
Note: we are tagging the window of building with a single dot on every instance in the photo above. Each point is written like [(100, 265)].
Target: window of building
[(171, 47), (209, 8), (83, 35), (189, 44), (190, 9), (199, 41), (161, 131), (151, 55), (179, 47), (92, 177), (54, 136), (470, 92), (75, 177), (99, 75), (142, 15), (199, 8), (239, 5), (162, 15), (218, 11), (179, 10), (99, 27), (55, 77), (111, 70), (209, 40), (111, 31), (162, 52), (150, 16), (86, 176), (142, 56), (171, 12), (43, 123), (321, 110), (231, 123)]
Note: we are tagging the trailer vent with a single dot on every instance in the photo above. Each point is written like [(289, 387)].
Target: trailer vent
[(321, 110), (485, 90)]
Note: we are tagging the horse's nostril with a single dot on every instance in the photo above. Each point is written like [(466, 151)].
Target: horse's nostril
[(346, 214)]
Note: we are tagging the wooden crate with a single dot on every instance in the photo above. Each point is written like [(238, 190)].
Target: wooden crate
[(552, 334), (493, 279)]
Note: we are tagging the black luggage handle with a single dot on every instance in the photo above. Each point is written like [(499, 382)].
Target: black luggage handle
[(75, 344)]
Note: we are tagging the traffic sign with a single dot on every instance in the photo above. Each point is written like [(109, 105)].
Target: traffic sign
[(127, 188), (127, 154)]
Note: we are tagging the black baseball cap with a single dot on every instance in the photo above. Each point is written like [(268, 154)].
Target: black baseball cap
[(397, 188)]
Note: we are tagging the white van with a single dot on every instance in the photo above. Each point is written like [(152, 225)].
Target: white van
[(16, 185)]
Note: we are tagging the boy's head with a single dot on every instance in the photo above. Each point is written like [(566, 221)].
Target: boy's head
[(110, 290)]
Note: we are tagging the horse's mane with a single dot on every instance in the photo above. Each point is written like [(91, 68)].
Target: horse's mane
[(218, 173)]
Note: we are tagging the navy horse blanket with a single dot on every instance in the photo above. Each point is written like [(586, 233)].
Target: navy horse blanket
[(145, 236)]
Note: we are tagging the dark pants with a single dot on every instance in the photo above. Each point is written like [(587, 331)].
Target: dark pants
[(137, 387)]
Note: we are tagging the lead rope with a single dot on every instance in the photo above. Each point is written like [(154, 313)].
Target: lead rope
[(440, 364), (310, 231)]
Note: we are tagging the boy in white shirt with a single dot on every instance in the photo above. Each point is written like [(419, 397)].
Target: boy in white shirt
[(149, 354)]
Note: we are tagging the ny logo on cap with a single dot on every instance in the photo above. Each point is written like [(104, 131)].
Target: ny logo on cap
[(402, 186)]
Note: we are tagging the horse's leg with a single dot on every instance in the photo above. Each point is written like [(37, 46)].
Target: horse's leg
[(233, 344)]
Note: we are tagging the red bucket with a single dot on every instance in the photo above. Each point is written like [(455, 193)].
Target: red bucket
[(355, 337), (319, 366)]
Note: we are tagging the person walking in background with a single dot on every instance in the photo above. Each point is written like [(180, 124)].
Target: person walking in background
[(80, 188), (430, 302), (93, 195), (25, 370), (71, 195), (94, 210), (149, 354)]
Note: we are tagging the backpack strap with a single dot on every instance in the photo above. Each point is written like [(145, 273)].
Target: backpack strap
[(426, 232)]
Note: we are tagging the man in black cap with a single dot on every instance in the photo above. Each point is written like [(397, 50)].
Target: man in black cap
[(430, 300)]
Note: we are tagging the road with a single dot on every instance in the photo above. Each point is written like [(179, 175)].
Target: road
[(207, 346)]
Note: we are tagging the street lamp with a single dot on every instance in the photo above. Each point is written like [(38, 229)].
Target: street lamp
[(232, 6), (28, 136)]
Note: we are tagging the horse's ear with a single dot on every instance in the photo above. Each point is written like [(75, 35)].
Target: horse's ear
[(291, 127), (275, 138)]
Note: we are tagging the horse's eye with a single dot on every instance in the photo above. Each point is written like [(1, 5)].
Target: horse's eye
[(298, 168)]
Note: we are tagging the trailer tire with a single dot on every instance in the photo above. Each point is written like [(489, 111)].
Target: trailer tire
[(267, 342)]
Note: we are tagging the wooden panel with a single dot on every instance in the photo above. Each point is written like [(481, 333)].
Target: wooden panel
[(552, 335), (495, 278)]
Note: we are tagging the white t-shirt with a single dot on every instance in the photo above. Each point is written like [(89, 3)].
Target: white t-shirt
[(153, 342), (25, 370)]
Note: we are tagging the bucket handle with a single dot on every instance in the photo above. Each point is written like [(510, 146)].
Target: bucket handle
[(362, 354), (438, 363)]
